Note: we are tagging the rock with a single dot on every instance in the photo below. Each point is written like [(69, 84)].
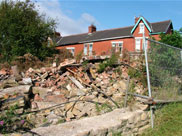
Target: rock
[(98, 80), (19, 101), (27, 81), (15, 71), (37, 97), (41, 91), (52, 118), (143, 116), (42, 105), (30, 70), (56, 98), (89, 97), (22, 89), (77, 92), (111, 90), (8, 83), (34, 105), (116, 86), (123, 85), (54, 65), (118, 97), (3, 72), (68, 87)]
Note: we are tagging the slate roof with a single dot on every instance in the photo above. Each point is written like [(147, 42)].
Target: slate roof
[(111, 34)]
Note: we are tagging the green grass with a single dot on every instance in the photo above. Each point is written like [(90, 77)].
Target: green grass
[(168, 121)]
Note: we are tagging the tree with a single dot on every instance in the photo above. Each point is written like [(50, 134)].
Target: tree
[(174, 39), (165, 61), (23, 30)]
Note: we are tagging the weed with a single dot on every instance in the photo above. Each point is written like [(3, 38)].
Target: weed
[(108, 63), (10, 121), (45, 120), (79, 57), (167, 121), (116, 134), (60, 121), (104, 107)]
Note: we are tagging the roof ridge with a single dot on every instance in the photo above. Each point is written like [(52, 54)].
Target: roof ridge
[(99, 31), (114, 28), (75, 34)]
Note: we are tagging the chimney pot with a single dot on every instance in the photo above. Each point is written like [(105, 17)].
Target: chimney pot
[(91, 29), (136, 19)]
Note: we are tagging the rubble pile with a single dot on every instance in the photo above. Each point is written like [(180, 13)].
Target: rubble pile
[(65, 92)]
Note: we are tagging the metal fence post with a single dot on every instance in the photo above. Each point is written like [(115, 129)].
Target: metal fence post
[(148, 77)]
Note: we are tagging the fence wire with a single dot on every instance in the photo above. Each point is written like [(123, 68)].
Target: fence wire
[(165, 70)]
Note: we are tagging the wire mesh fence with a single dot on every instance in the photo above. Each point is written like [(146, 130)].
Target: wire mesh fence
[(165, 71)]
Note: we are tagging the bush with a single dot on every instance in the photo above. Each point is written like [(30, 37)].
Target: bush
[(108, 63), (10, 121), (62, 55)]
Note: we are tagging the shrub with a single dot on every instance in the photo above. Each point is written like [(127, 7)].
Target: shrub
[(108, 63), (10, 121), (79, 57), (62, 55)]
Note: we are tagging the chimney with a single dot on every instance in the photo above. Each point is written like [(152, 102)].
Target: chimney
[(91, 29), (57, 34), (136, 19)]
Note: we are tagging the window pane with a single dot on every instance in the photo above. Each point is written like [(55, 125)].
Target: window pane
[(85, 49), (137, 44)]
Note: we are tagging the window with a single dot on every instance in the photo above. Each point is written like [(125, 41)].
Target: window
[(137, 44), (72, 50), (117, 46), (120, 47), (85, 49), (90, 49), (141, 28)]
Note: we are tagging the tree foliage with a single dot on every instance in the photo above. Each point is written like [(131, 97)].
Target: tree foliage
[(165, 61), (174, 39), (23, 30)]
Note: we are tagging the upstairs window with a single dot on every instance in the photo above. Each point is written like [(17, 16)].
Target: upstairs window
[(141, 28)]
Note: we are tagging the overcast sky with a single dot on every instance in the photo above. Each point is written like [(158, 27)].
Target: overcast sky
[(74, 16)]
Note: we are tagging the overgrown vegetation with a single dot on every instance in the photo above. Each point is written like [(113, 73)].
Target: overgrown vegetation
[(174, 39), (108, 63), (103, 108), (24, 30), (11, 121), (167, 121)]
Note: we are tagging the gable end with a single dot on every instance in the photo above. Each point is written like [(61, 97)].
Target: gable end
[(141, 18)]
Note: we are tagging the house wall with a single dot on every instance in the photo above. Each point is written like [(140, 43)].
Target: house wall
[(136, 34), (103, 47)]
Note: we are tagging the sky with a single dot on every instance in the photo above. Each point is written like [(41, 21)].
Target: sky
[(74, 16)]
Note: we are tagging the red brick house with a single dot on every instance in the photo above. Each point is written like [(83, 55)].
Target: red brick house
[(101, 42)]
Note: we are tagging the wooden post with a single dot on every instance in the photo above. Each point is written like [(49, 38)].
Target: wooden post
[(126, 92)]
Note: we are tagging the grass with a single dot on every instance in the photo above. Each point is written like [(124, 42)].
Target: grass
[(168, 121)]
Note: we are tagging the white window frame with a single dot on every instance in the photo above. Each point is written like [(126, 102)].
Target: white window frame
[(116, 45), (141, 42), (72, 50), (90, 51), (85, 49), (141, 28), (138, 49)]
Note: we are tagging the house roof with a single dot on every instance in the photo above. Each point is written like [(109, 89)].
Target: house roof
[(157, 27)]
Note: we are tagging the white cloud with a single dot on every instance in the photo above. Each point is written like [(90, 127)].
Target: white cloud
[(66, 25)]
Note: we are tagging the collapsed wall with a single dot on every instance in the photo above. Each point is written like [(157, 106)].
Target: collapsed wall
[(119, 121)]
